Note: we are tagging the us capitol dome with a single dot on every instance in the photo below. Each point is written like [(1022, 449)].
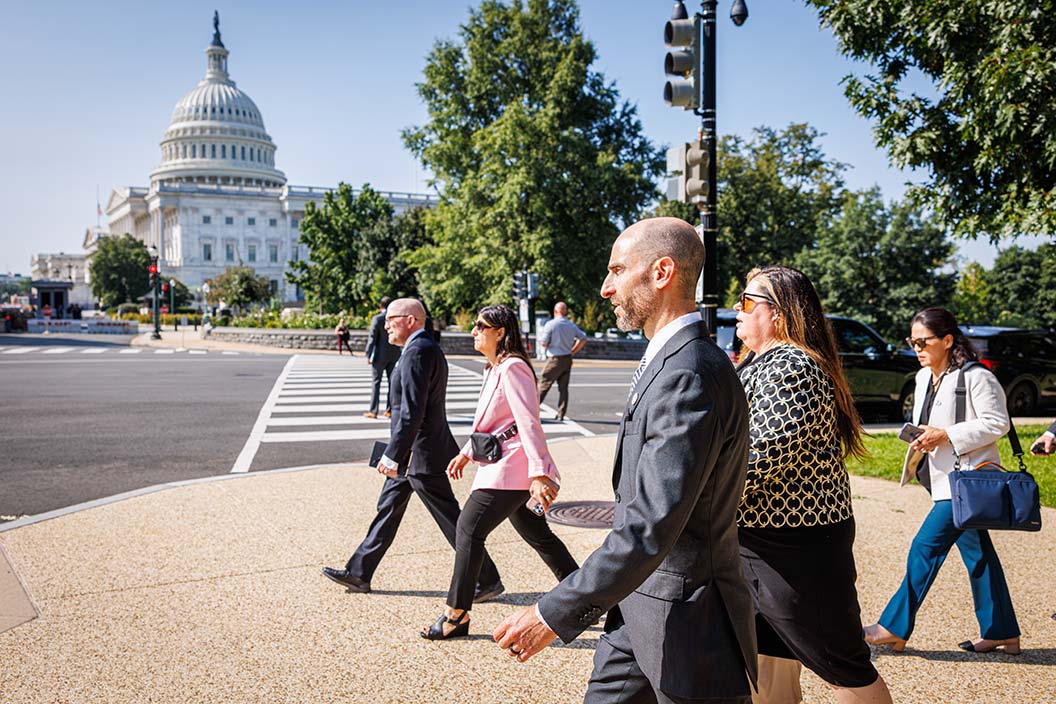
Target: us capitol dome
[(217, 199)]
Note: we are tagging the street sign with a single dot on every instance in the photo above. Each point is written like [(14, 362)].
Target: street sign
[(183, 320), (524, 311)]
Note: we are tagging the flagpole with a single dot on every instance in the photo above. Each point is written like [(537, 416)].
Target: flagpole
[(98, 206)]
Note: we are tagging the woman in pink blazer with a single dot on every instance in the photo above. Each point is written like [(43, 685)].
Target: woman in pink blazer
[(525, 474)]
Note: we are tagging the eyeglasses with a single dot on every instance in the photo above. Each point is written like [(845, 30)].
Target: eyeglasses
[(481, 325), (746, 301), (393, 317), (919, 343)]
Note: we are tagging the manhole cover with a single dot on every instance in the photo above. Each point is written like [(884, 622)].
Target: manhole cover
[(582, 514)]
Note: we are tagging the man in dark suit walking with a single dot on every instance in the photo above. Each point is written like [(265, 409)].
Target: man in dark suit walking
[(416, 458), (681, 624), (382, 356)]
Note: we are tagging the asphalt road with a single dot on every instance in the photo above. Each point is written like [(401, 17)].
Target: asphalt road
[(85, 417)]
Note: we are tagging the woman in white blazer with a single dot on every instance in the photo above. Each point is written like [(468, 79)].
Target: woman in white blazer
[(944, 354)]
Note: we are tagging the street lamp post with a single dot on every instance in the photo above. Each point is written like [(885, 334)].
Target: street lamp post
[(701, 100), (172, 303)]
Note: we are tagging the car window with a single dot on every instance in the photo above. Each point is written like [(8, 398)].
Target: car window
[(854, 338)]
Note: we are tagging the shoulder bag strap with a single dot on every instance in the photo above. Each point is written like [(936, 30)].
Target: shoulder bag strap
[(1013, 436)]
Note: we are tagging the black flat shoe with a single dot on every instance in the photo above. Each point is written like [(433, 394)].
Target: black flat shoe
[(483, 594), (436, 631), (352, 582), (1009, 646)]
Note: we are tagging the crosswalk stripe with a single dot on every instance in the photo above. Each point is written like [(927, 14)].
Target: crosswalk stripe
[(59, 350), (198, 352), (228, 352), (93, 351), (164, 351), (18, 350), (133, 350)]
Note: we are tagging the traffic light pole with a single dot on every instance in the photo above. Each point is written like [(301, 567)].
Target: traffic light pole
[(709, 212), (157, 312)]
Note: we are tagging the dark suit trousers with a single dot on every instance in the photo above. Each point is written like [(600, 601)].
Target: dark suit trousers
[(617, 679), (557, 369), (485, 509), (375, 376), (435, 492)]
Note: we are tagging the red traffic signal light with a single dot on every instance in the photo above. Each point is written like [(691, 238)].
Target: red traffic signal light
[(165, 288), (153, 269)]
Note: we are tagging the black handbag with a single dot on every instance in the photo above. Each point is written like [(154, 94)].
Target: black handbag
[(487, 447), (993, 498)]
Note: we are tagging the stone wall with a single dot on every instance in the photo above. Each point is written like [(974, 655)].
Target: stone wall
[(452, 342)]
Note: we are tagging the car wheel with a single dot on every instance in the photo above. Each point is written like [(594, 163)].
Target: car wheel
[(1022, 399), (904, 409)]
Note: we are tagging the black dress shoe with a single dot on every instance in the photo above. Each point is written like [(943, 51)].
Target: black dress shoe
[(354, 583), (483, 594)]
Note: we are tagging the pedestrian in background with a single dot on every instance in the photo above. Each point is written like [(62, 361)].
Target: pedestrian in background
[(561, 338), (343, 335), (507, 408), (945, 354), (795, 523), (416, 457), (383, 357)]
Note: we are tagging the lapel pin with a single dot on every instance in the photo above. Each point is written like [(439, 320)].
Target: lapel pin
[(634, 398)]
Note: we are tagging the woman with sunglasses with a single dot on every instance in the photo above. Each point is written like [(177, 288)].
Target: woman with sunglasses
[(525, 474), (795, 523), (945, 354)]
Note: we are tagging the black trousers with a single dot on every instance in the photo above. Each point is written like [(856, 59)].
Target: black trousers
[(617, 678), (435, 492), (375, 377), (485, 509), (557, 369)]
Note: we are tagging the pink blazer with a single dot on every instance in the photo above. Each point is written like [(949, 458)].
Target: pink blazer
[(509, 396)]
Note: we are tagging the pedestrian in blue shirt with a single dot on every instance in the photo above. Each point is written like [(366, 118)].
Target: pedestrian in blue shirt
[(561, 338)]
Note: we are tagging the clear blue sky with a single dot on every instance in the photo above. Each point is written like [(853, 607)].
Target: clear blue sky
[(89, 89)]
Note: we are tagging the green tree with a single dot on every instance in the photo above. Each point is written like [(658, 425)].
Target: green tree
[(880, 264), (120, 270), (775, 191), (349, 237), (397, 275), (973, 301), (180, 294), (534, 154), (1022, 286), (239, 286), (985, 129)]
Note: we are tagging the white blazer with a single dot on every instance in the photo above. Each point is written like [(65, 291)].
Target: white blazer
[(975, 439)]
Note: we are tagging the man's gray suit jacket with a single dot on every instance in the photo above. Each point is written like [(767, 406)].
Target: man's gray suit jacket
[(671, 561)]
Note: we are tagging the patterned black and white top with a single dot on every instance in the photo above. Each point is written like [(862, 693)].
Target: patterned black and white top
[(796, 474)]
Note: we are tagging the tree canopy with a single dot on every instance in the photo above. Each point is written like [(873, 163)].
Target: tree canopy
[(350, 243), (239, 286), (120, 270), (985, 130), (536, 158)]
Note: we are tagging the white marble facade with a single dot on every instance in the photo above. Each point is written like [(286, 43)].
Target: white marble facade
[(217, 200)]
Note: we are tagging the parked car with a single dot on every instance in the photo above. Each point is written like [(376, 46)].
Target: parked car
[(1024, 361), (881, 375)]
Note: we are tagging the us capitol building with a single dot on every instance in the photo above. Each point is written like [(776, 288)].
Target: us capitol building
[(217, 198)]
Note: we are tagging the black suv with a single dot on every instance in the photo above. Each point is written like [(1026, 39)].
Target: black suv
[(1024, 361), (881, 375)]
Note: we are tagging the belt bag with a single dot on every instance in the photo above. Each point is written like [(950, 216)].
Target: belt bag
[(993, 498), (487, 447)]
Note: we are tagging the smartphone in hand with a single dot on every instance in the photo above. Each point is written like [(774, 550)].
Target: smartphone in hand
[(909, 432), (1038, 448)]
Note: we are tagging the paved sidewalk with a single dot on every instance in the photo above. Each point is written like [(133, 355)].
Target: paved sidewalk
[(211, 592)]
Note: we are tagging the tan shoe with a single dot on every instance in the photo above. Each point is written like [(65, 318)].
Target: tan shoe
[(388, 414), (878, 635), (368, 414)]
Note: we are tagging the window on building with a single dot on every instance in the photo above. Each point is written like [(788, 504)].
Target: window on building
[(223, 151), (251, 222), (229, 221), (212, 151), (273, 253), (272, 222), (243, 153), (207, 252), (274, 286), (252, 254), (229, 252), (194, 151), (207, 219), (294, 223)]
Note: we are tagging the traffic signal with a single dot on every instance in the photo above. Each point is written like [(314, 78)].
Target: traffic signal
[(164, 288), (533, 286), (518, 285), (695, 173), (153, 269), (682, 63)]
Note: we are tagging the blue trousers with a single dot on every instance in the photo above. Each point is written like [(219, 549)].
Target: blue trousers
[(993, 605)]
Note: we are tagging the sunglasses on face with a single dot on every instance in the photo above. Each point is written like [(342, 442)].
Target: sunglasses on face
[(481, 325), (747, 301), (919, 343)]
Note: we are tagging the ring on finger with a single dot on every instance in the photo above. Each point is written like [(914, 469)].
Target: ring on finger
[(515, 652)]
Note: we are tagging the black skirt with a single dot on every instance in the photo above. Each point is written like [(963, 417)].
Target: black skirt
[(802, 582)]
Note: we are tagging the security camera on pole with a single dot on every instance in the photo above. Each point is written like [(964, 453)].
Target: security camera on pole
[(690, 65)]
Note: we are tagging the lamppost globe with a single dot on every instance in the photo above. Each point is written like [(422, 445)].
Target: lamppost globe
[(739, 12)]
